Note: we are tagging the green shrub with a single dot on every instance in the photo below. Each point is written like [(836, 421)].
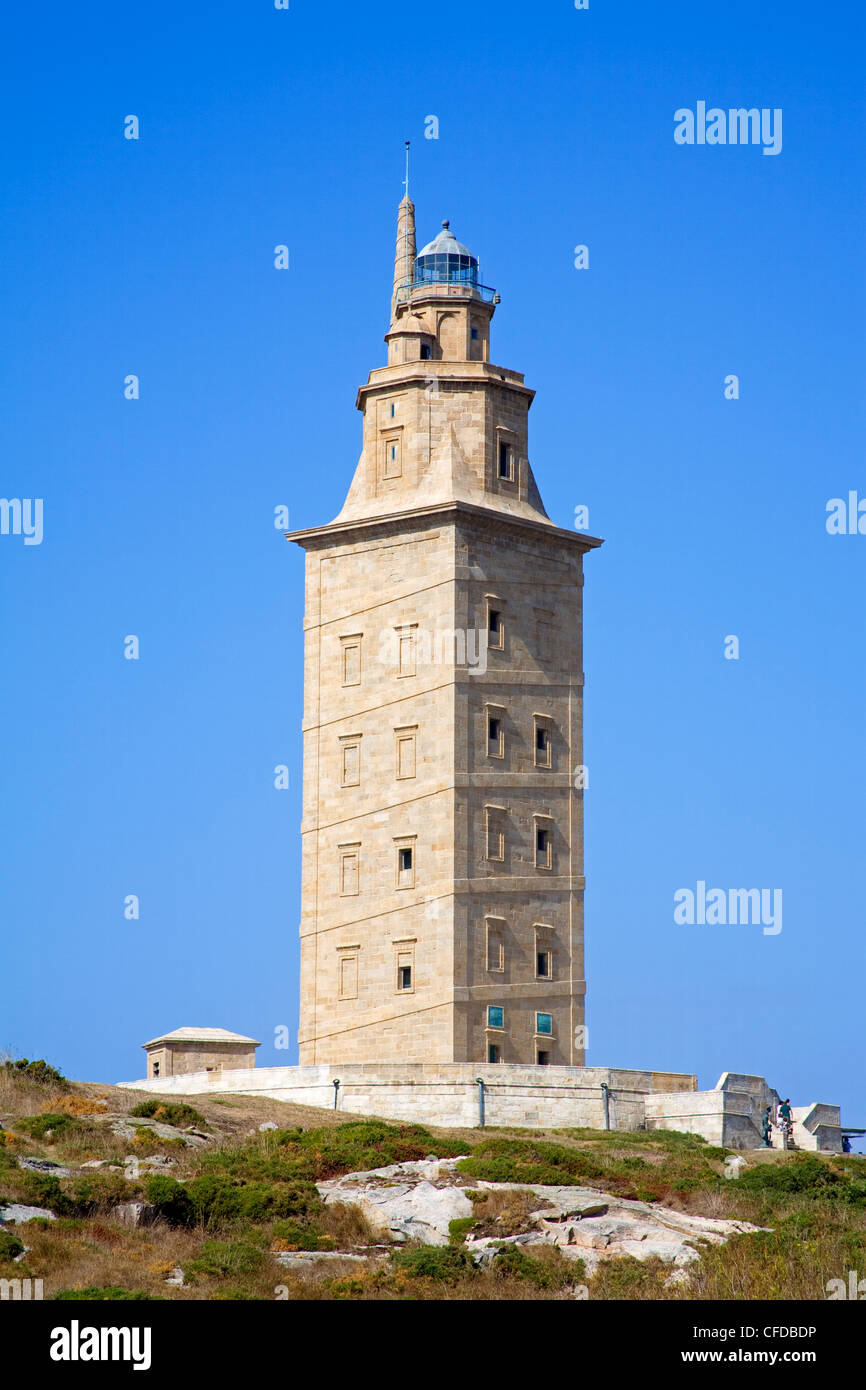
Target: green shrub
[(41, 1190), (542, 1274), (530, 1161), (804, 1176), (308, 1156), (41, 1126), (626, 1277), (459, 1229), (213, 1200), (98, 1192), (171, 1199), (10, 1246), (300, 1237), (168, 1113), (40, 1072), (217, 1200), (218, 1258), (443, 1263)]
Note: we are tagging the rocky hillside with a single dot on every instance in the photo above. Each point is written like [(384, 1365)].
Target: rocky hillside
[(108, 1193)]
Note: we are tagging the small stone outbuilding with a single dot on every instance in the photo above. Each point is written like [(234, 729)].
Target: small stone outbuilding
[(198, 1049)]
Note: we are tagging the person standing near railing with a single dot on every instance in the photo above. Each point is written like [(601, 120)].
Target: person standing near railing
[(785, 1122)]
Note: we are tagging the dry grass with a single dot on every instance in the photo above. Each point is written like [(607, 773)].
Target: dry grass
[(812, 1240), (505, 1213)]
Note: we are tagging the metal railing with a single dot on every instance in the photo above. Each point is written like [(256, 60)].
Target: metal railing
[(446, 289)]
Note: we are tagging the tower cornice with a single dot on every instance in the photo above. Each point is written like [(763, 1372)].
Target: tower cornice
[(316, 537), (423, 373)]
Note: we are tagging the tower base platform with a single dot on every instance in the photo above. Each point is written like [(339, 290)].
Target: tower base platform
[(506, 1095)]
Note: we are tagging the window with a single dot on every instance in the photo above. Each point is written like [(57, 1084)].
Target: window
[(544, 1024), (156, 1068), (543, 848), (495, 736), (405, 738), (393, 466), (348, 977), (350, 760), (406, 649), (350, 857), (495, 630), (543, 1059), (474, 332), (495, 1016), (406, 862), (544, 937), (494, 1052), (350, 659), (404, 965), (543, 744), (495, 944), (495, 828), (393, 410), (506, 461), (425, 352)]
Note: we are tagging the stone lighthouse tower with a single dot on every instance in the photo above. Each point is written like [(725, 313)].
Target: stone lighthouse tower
[(442, 901)]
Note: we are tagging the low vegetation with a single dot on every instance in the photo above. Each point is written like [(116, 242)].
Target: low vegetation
[(223, 1211)]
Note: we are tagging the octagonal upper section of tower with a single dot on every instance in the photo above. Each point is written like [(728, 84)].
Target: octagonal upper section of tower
[(442, 423)]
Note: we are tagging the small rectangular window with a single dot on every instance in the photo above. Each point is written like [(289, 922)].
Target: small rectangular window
[(404, 977), (350, 771), (405, 865), (494, 1053), (393, 466), (475, 335), (544, 1024), (542, 965), (543, 745), (495, 948), (542, 848), (425, 352), (405, 651), (506, 469), (351, 660), (495, 736), (495, 1016), (495, 835), (405, 754), (393, 410), (543, 1059), (349, 873), (495, 629), (348, 977)]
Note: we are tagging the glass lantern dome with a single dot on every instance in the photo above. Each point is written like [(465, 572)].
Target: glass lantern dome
[(445, 262)]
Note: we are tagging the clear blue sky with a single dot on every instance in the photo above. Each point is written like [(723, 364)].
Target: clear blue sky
[(155, 257)]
